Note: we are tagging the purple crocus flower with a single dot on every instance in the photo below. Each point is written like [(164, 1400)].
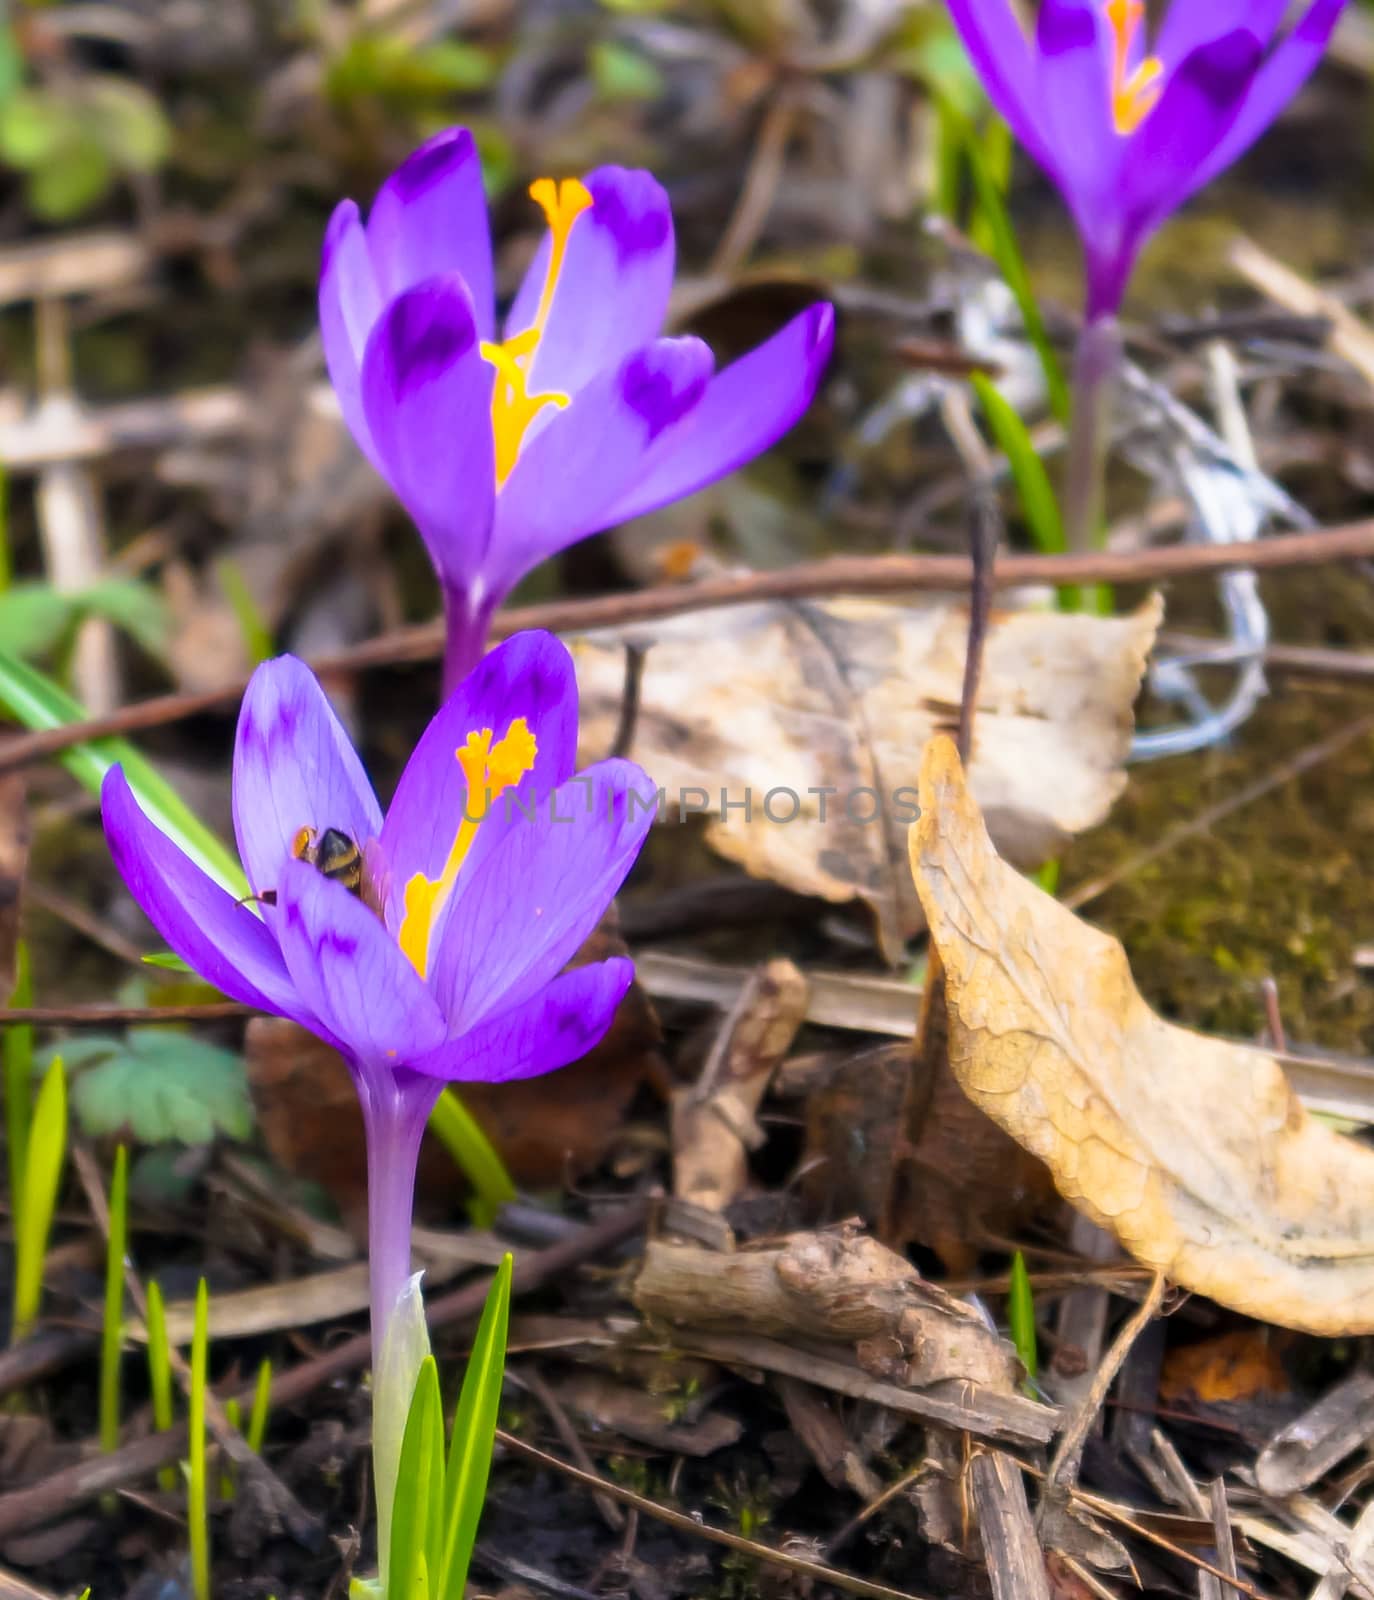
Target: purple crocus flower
[(579, 417), (427, 946), (1127, 132)]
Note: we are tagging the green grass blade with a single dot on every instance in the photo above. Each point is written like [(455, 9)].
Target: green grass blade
[(418, 1506), (1021, 1315), (474, 1153), (112, 1329), (253, 629), (160, 1372), (18, 1060), (474, 1433), (47, 1149), (38, 703), (262, 1400), (233, 1413), (197, 1509), (1007, 253)]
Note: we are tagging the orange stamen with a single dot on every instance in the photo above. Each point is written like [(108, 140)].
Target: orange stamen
[(1134, 93), (490, 771), (513, 407)]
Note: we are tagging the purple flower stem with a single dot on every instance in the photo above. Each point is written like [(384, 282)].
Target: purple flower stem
[(467, 624), (1096, 364)]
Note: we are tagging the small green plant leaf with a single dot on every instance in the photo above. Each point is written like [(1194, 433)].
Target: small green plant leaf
[(160, 1372), (475, 1155), (622, 74), (33, 617), (74, 178), (474, 1433), (1021, 1315), (33, 128), (418, 1506), (197, 1514), (129, 122), (47, 1150), (1039, 504), (112, 1329), (166, 961), (36, 702), (158, 1085)]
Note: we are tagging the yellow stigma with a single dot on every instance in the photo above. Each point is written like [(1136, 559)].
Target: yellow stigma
[(490, 770), (513, 407), (1134, 93)]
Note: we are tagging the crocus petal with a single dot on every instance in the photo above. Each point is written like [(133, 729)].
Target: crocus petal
[(213, 933), (427, 395), (587, 456), (558, 1026), (352, 975), (1001, 53), (349, 305), (613, 288), (1188, 24), (1199, 105), (1289, 66), (516, 922), (1073, 69), (294, 768), (746, 408), (531, 676), (430, 219)]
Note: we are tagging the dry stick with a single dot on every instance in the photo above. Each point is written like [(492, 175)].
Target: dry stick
[(107, 1016), (857, 575), (23, 1510), (1304, 761), (690, 1525), (1063, 1471)]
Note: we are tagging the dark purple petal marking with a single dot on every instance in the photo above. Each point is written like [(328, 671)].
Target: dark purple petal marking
[(632, 208), (433, 162), (1220, 69), (428, 330), (1064, 26), (666, 381)]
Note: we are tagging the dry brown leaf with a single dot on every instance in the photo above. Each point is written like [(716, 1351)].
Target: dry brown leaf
[(842, 696), (1194, 1152)]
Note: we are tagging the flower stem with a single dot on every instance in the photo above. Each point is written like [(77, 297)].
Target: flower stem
[(1095, 368), (394, 1114), (467, 622)]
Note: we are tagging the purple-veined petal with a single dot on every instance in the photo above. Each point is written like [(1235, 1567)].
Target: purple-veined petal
[(612, 291), (1001, 55), (1200, 103), (1073, 52), (430, 219), (294, 768), (566, 1019), (427, 395), (1187, 24), (587, 456), (352, 975), (1290, 64), (747, 407), (531, 676), (349, 306), (525, 912), (213, 933)]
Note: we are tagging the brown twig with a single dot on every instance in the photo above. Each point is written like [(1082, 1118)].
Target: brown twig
[(111, 1016), (29, 1508), (858, 575)]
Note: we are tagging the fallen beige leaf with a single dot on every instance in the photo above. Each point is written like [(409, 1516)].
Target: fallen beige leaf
[(1194, 1152), (842, 696)]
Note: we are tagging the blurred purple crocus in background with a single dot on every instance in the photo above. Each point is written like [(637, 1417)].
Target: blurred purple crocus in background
[(427, 946), (579, 416), (1129, 128), (1127, 132)]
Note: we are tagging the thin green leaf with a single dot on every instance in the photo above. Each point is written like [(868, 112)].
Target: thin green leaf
[(475, 1155), (134, 606), (160, 1372), (474, 1434), (233, 1415), (47, 1149), (1007, 254), (33, 617), (262, 1400), (38, 703), (253, 629), (165, 960), (418, 1506), (112, 1328), (1039, 505), (1021, 1315), (17, 1051), (197, 1513)]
